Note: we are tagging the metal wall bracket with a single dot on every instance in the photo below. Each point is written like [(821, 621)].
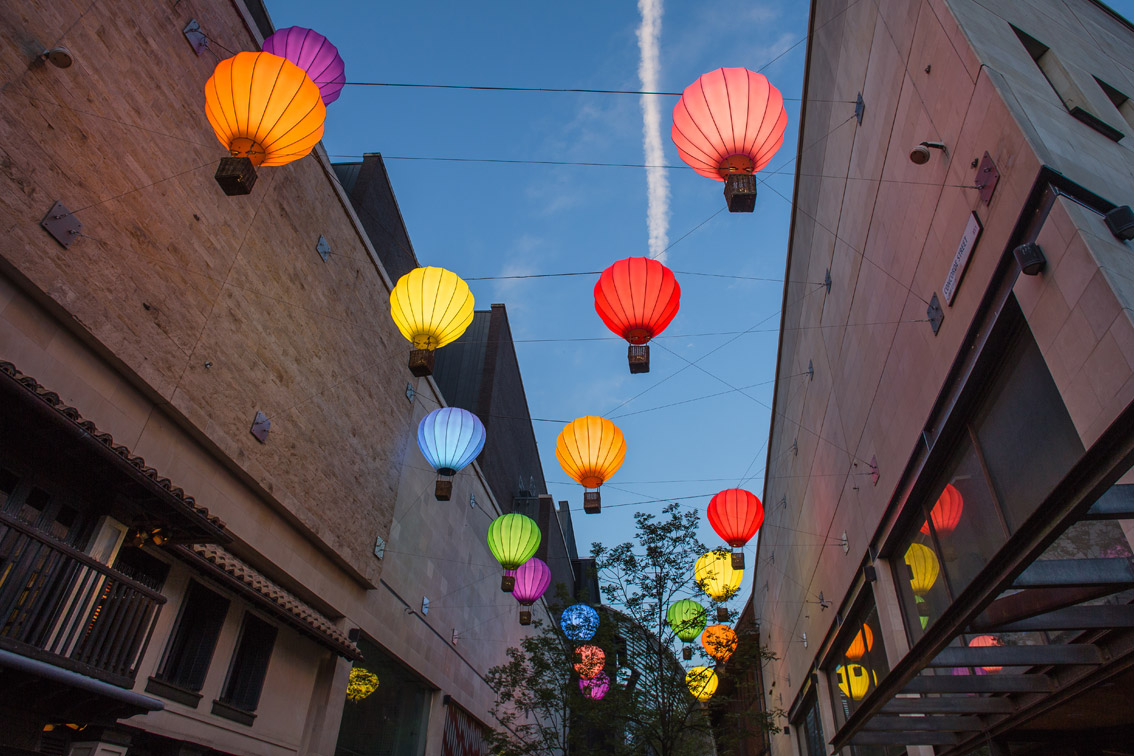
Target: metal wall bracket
[(472, 500), (827, 280), (260, 427), (783, 502), (456, 636), (874, 469), (935, 314), (379, 547), (410, 391), (197, 39), (323, 248), (844, 541), (987, 177), (424, 605), (859, 108), (62, 224), (795, 448), (810, 370)]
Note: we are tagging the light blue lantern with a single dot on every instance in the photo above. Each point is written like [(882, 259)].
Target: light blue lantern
[(449, 438), (579, 622)]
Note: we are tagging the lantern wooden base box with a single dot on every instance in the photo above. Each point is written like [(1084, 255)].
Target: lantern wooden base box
[(507, 583), (738, 560), (722, 614), (443, 491), (236, 175), (592, 504), (639, 357), (525, 617), (740, 192), (421, 362), (687, 653)]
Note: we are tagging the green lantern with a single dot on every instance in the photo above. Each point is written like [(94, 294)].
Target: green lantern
[(687, 618), (513, 539)]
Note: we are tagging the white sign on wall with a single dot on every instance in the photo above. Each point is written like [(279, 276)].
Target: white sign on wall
[(961, 259)]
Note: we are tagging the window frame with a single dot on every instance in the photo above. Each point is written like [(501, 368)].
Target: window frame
[(163, 682), (225, 705)]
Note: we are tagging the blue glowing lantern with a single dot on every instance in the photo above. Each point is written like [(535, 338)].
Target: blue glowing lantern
[(449, 438), (579, 622)]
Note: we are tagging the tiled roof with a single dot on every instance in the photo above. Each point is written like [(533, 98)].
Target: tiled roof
[(178, 496), (279, 601)]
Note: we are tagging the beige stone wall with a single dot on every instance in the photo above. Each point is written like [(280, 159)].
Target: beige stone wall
[(888, 232), (169, 275)]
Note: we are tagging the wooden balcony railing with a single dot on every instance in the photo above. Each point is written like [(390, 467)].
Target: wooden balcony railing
[(59, 605)]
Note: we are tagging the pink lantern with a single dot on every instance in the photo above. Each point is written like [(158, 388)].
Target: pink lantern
[(532, 578), (596, 688), (311, 51)]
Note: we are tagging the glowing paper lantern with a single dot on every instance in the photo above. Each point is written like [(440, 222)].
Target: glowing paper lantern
[(596, 688), (513, 540), (854, 680), (719, 641), (702, 682), (449, 438), (922, 611), (924, 568), (591, 661), (266, 111), (736, 515), (311, 51), (946, 513), (862, 643), (727, 125), (362, 683), (985, 641), (431, 307), (590, 450), (579, 622), (532, 578), (637, 298), (715, 575), (687, 618)]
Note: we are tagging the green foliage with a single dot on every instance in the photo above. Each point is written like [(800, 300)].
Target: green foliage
[(541, 709)]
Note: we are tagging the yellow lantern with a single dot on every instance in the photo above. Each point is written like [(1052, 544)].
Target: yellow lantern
[(862, 643), (702, 682), (924, 568), (717, 577), (590, 450), (265, 110), (431, 307), (361, 684), (854, 680)]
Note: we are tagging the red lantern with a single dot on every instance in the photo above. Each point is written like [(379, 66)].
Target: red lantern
[(591, 661), (862, 644), (637, 298), (946, 513), (736, 515), (985, 641), (727, 125)]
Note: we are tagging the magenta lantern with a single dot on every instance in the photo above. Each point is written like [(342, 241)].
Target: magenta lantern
[(311, 51), (596, 688), (532, 579)]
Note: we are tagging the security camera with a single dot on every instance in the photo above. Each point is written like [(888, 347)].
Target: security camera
[(920, 155), (60, 57)]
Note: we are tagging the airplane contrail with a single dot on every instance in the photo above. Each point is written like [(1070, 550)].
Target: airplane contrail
[(649, 69)]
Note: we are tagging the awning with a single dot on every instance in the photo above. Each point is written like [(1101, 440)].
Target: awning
[(238, 575)]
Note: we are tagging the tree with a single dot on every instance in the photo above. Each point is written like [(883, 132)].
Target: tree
[(649, 709)]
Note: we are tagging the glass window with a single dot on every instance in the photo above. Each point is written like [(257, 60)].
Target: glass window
[(249, 664), (860, 662), (189, 653), (809, 728), (387, 711)]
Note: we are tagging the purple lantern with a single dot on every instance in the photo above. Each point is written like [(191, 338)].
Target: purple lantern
[(532, 579), (596, 687), (311, 51)]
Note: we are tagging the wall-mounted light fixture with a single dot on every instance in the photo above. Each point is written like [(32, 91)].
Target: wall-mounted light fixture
[(1030, 257), (920, 155), (60, 57)]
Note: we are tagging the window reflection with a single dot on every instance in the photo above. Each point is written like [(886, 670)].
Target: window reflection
[(861, 664)]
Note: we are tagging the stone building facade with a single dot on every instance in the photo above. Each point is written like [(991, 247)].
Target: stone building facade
[(171, 581), (945, 561)]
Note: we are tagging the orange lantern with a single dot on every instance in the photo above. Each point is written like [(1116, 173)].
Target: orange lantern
[(265, 110), (719, 641), (590, 450), (862, 643), (985, 641), (946, 513), (591, 661)]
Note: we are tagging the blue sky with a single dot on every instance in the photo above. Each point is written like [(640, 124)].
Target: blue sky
[(490, 219)]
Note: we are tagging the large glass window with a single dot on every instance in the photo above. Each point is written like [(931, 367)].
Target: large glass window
[(387, 708), (809, 730), (249, 664), (860, 662), (1017, 442), (189, 653)]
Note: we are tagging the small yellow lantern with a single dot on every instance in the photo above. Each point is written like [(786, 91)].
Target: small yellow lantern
[(924, 568), (431, 307), (854, 680)]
